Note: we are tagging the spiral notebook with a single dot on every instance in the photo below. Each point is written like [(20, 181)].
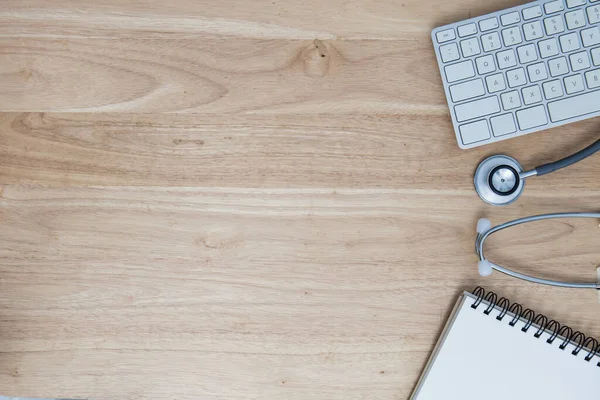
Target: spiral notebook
[(494, 350)]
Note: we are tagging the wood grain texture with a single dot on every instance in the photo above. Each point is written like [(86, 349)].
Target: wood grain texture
[(247, 293), (195, 203), (282, 151), (276, 19), (218, 76)]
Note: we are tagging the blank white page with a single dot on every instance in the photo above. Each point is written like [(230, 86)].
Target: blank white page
[(479, 357)]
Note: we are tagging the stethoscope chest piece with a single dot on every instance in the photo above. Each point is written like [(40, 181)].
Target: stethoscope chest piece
[(497, 180)]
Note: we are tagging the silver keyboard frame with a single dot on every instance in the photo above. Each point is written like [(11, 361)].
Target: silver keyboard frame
[(545, 102)]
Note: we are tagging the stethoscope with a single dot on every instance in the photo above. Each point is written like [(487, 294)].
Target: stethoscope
[(485, 267), (500, 180)]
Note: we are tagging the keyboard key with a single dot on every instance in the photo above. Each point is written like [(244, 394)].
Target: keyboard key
[(474, 132), (531, 94), (458, 71), (445, 36), (548, 47), (576, 106), (506, 59), (511, 100), (591, 36), (579, 61), (527, 53), (554, 6), (552, 89), (449, 52), (593, 78), (470, 47), (593, 14), (491, 41), (467, 90), (575, 3), (554, 25), (495, 83), (488, 24), (510, 18), (558, 66), (512, 36), (574, 84), (516, 77), (569, 42), (575, 19), (532, 117), (532, 12), (503, 124), (467, 30), (533, 30), (485, 64), (477, 108), (537, 72), (596, 56)]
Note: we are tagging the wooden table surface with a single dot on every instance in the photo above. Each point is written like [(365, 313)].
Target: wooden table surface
[(252, 200)]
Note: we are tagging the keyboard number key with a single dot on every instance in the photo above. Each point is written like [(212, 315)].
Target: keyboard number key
[(558, 66), (569, 42), (552, 89), (495, 83), (485, 64), (531, 94), (574, 84), (593, 78), (511, 100), (533, 30), (445, 36), (579, 61), (591, 36), (532, 12), (516, 77), (593, 14), (474, 132), (532, 117), (554, 25), (449, 52), (506, 59), (488, 24), (537, 72), (458, 71), (512, 36), (503, 125), (575, 19), (470, 47), (491, 41), (527, 53)]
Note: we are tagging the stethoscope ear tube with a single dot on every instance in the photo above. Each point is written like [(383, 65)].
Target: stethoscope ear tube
[(485, 229), (570, 160)]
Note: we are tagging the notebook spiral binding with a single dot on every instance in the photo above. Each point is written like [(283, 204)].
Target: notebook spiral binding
[(568, 336)]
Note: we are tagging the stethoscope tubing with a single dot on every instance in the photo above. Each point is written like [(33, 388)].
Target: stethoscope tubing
[(481, 237)]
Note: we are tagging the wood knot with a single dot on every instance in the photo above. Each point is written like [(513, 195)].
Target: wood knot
[(316, 59)]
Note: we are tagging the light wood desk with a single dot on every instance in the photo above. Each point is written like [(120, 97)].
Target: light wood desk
[(200, 200)]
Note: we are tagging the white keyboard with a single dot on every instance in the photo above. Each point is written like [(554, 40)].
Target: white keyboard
[(521, 70)]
